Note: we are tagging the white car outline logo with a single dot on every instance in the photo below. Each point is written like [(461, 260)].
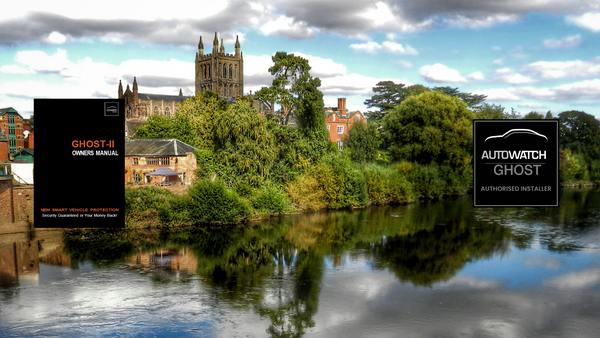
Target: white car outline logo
[(517, 131)]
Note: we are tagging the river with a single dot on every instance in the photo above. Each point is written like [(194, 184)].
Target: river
[(431, 269)]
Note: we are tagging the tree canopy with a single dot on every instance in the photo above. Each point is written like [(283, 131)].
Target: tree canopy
[(431, 127), (363, 141)]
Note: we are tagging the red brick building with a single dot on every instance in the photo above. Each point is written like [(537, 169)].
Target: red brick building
[(12, 124), (339, 121), (3, 147), (147, 155)]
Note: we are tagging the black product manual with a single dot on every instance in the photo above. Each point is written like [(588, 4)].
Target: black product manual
[(79, 163)]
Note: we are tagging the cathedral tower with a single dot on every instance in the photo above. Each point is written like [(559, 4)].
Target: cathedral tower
[(220, 72)]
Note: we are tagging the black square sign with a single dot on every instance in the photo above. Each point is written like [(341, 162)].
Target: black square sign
[(515, 163)]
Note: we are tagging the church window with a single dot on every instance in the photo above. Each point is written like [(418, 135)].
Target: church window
[(129, 111), (230, 72), (236, 73), (155, 110), (209, 71), (224, 71), (167, 112)]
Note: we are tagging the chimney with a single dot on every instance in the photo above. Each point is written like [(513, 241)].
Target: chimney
[(341, 104)]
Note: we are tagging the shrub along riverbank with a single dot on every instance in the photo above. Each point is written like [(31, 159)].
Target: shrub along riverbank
[(333, 183)]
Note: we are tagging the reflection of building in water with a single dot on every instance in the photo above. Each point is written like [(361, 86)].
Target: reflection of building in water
[(56, 257), (173, 260), (17, 261)]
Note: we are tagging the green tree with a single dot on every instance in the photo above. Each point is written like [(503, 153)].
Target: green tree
[(472, 100), (287, 69), (580, 132), (388, 95), (431, 127), (244, 143), (488, 111), (363, 141), (192, 123), (533, 116)]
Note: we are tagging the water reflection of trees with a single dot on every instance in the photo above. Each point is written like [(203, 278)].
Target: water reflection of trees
[(275, 268), (556, 229)]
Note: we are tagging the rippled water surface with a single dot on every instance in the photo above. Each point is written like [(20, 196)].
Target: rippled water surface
[(440, 269)]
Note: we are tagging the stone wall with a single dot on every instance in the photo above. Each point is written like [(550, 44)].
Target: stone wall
[(23, 203), (6, 200)]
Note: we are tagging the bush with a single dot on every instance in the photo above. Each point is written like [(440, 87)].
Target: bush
[(148, 205), (271, 197), (387, 185), (307, 194), (212, 202), (333, 180)]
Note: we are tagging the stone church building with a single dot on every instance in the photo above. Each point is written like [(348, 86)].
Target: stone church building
[(218, 72)]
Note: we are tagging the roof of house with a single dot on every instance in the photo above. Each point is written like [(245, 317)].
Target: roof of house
[(9, 110), (157, 147), (159, 97), (347, 115), (23, 151)]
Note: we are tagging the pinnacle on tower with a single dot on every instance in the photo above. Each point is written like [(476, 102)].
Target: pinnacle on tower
[(200, 47), (180, 92), (237, 46), (120, 90), (222, 50), (135, 87), (216, 40)]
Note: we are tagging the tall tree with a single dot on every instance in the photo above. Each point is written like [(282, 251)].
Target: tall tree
[(580, 132), (287, 69), (431, 127), (472, 100), (388, 95), (363, 141)]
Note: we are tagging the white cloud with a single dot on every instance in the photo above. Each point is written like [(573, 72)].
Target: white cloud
[(507, 75), (590, 20), (480, 22), (564, 69), (498, 62), (576, 280), (476, 76), (380, 15), (531, 105), (57, 38), (566, 43), (387, 46), (405, 64), (498, 94), (40, 62), (321, 67), (440, 73), (288, 27), (14, 69), (496, 48), (584, 90)]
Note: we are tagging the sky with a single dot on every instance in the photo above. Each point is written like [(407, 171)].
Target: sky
[(536, 55)]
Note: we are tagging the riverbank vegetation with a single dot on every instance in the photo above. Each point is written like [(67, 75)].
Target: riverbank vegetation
[(253, 166)]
